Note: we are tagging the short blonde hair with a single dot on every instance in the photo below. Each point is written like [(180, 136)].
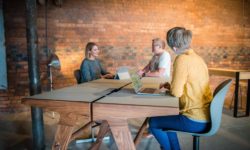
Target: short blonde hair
[(158, 40), (179, 37), (88, 48)]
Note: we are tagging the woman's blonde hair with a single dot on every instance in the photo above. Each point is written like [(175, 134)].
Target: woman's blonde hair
[(88, 48), (180, 38)]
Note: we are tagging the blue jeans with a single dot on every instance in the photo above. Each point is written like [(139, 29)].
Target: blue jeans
[(158, 126)]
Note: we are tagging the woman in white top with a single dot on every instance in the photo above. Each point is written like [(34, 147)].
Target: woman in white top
[(159, 65)]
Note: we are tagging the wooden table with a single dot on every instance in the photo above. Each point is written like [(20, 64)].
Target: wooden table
[(112, 101), (117, 107), (72, 103), (238, 75)]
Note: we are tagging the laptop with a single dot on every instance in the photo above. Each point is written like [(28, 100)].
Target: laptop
[(138, 86), (122, 73)]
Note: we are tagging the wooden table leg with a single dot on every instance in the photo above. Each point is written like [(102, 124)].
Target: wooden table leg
[(140, 132), (80, 131), (121, 134), (104, 129), (62, 137), (64, 130)]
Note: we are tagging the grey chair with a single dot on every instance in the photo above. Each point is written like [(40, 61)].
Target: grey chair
[(216, 107), (77, 75)]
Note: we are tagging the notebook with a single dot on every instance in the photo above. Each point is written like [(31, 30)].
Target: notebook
[(138, 86)]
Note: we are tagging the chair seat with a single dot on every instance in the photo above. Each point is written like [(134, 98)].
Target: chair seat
[(191, 133), (216, 107)]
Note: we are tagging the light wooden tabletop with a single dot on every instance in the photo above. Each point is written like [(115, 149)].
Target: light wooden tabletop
[(128, 96), (86, 92), (227, 70), (243, 74)]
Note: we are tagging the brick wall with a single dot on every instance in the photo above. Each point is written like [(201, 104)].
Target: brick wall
[(123, 30)]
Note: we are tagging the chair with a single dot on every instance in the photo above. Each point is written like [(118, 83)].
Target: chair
[(216, 107), (77, 75)]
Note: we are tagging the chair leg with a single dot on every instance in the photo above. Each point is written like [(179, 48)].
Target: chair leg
[(239, 98), (196, 142), (92, 134)]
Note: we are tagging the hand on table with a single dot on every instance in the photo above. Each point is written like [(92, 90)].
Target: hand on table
[(141, 73), (165, 85), (108, 76)]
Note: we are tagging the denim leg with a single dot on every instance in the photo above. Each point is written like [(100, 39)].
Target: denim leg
[(173, 140), (168, 140), (162, 137)]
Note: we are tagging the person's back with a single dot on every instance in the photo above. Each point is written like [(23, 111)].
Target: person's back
[(195, 95), (190, 82)]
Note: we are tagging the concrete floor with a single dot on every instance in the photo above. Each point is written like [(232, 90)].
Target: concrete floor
[(15, 134)]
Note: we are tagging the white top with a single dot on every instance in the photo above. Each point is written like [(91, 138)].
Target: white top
[(162, 61)]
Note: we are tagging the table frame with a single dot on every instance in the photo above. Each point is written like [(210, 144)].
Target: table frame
[(238, 75), (118, 124), (68, 118), (70, 111)]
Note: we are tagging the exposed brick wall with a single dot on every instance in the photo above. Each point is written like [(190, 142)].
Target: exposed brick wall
[(123, 30)]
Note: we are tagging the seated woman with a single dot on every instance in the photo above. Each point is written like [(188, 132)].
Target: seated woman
[(91, 67), (190, 82)]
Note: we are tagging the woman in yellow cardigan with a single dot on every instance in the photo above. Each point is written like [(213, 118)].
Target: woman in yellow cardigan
[(190, 82)]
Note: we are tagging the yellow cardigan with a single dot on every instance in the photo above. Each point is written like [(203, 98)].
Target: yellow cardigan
[(190, 83)]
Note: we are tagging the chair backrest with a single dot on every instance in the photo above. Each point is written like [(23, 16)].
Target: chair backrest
[(216, 106), (77, 75)]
